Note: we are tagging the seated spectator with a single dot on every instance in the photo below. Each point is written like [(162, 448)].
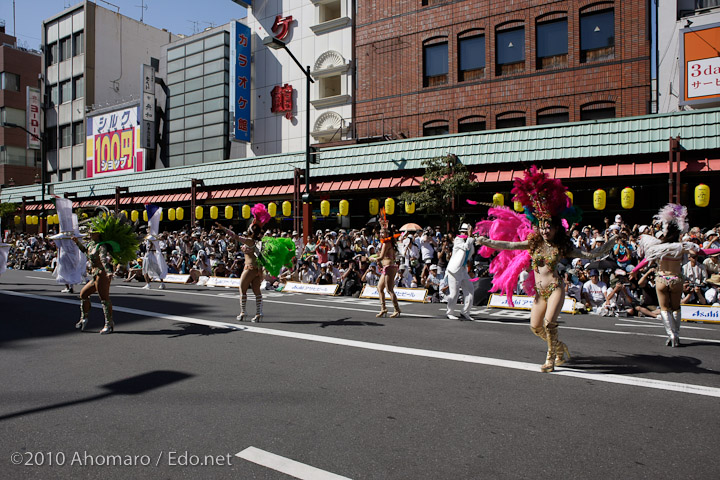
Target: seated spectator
[(620, 298), (220, 269), (432, 283), (693, 294), (693, 271), (350, 282), (371, 275), (712, 294), (594, 291), (404, 277)]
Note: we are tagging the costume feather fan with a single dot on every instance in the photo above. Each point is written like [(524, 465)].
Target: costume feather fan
[(260, 213), (118, 235), (276, 253)]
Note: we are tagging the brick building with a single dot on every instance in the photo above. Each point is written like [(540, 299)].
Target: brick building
[(431, 67), (19, 69)]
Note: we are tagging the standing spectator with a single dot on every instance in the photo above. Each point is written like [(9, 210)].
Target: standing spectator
[(427, 247)]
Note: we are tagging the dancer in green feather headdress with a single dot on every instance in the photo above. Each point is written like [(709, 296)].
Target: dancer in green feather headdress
[(112, 241)]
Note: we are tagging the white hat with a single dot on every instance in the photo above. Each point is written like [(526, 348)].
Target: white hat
[(433, 267), (614, 227), (294, 232), (710, 232), (464, 228), (618, 218), (642, 229)]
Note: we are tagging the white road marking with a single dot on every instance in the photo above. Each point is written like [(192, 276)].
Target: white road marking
[(286, 465), (458, 357)]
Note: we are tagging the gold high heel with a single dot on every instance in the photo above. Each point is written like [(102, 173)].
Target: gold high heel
[(552, 342), (397, 311), (383, 310), (562, 351)]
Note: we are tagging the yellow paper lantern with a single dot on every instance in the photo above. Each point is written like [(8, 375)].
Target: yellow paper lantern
[(287, 208), (344, 208), (228, 212), (171, 214), (180, 213), (124, 213), (409, 208), (499, 199), (18, 220), (134, 215), (627, 198), (272, 209), (389, 206), (28, 220), (214, 212), (374, 206), (50, 219), (599, 199), (145, 217), (162, 213), (57, 219), (324, 208), (199, 212), (518, 207), (36, 219), (246, 211), (702, 195), (571, 197)]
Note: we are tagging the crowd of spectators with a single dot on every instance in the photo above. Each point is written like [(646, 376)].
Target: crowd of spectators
[(606, 286)]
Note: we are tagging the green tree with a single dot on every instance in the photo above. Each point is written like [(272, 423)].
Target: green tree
[(444, 180), (7, 211)]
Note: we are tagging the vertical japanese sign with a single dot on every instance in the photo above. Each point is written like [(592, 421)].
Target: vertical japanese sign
[(148, 107), (701, 61), (113, 143), (241, 80), (33, 118)]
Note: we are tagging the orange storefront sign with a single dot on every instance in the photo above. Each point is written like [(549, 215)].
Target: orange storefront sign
[(701, 76)]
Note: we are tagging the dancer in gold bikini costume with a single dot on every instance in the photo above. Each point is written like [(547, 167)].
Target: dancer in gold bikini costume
[(389, 270), (545, 201)]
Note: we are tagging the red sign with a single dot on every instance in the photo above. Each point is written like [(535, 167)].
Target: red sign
[(282, 100), (281, 26)]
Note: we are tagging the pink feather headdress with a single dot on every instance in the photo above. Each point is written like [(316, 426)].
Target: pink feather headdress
[(673, 213), (260, 213), (543, 197)]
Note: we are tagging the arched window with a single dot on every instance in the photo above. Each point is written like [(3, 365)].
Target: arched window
[(471, 49), (597, 110), (436, 127), (510, 120), (597, 33), (549, 115), (435, 62), (510, 49), (471, 124)]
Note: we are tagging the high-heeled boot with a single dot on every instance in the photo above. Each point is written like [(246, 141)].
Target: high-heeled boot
[(258, 310), (552, 334), (397, 311), (84, 313), (107, 310), (668, 323), (677, 318), (243, 307), (383, 309)]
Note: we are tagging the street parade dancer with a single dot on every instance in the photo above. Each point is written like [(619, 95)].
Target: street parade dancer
[(71, 262), (457, 273), (386, 258), (4, 249), (538, 243), (668, 253), (112, 240), (154, 264)]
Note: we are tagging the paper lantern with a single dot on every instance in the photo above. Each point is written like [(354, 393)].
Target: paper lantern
[(627, 198), (162, 212), (171, 214), (409, 208), (213, 212), (50, 219), (571, 197), (198, 212), (180, 213), (344, 208), (702, 195), (518, 207), (272, 209), (228, 212), (18, 220), (599, 199), (57, 219), (124, 213), (35, 219), (246, 211), (145, 217), (389, 206), (499, 199), (134, 215), (28, 220), (287, 208), (374, 206)]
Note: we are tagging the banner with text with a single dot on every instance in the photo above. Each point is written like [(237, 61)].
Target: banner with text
[(295, 287), (524, 302), (113, 143), (405, 294), (700, 313)]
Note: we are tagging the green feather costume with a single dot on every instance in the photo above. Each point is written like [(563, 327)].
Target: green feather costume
[(276, 253), (119, 238)]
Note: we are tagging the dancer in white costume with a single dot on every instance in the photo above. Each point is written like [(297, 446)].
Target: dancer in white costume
[(4, 249), (457, 273), (154, 263), (71, 262)]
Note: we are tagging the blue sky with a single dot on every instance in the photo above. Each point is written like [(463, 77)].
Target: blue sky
[(178, 16)]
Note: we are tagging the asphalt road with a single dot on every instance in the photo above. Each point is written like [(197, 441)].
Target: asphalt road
[(323, 389)]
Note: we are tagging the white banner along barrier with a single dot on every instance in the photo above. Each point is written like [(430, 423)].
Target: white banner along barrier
[(524, 302), (405, 294), (296, 287), (700, 313)]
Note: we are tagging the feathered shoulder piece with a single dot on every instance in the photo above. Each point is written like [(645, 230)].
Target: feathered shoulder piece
[(276, 253), (260, 213), (673, 213), (543, 197), (117, 235)]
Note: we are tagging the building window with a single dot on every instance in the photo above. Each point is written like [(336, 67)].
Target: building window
[(510, 51), (52, 140), (12, 115), (52, 94), (330, 86), (78, 43), (51, 54), (65, 49), (553, 115), (65, 91), (510, 120), (471, 124), (65, 136), (78, 133), (436, 127), (472, 58), (10, 81), (597, 36), (329, 11), (552, 44), (597, 111), (435, 62), (78, 87), (689, 8)]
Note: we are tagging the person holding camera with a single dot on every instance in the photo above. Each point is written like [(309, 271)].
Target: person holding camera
[(693, 294)]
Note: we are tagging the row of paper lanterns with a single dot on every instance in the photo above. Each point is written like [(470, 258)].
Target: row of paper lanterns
[(627, 198)]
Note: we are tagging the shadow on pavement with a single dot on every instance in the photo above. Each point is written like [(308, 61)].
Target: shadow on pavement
[(342, 322), (185, 329), (629, 364)]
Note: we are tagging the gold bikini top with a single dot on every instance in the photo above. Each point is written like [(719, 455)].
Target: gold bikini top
[(545, 256)]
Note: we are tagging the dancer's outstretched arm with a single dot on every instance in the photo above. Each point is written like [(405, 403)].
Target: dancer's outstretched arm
[(598, 252), (502, 245)]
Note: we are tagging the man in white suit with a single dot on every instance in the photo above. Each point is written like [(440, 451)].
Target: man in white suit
[(457, 273)]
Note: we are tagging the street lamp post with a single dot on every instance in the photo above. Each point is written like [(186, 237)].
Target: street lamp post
[(42, 167), (278, 44)]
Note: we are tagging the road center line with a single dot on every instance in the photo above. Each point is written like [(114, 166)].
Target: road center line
[(458, 357), (286, 465)]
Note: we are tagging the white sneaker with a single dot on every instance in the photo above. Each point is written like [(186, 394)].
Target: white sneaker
[(453, 317), (466, 316), (65, 290), (146, 287), (161, 287)]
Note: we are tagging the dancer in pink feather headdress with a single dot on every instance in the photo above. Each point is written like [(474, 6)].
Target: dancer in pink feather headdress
[(537, 242)]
